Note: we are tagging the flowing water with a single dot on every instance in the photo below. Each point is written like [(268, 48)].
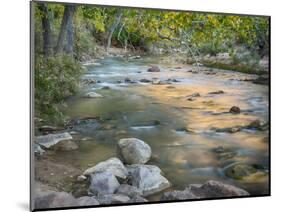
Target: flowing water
[(158, 113)]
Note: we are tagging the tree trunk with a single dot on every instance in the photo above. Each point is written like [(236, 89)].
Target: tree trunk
[(112, 29), (47, 32), (70, 33), (66, 27)]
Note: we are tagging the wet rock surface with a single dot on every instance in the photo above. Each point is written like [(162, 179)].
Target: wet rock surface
[(153, 69), (66, 145), (239, 171), (234, 110)]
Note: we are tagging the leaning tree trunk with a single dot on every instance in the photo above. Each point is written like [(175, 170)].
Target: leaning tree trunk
[(46, 30), (112, 29), (66, 25)]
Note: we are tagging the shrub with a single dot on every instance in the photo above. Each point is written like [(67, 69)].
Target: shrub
[(55, 79), (244, 56), (85, 46)]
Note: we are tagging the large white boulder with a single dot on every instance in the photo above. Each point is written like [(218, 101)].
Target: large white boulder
[(133, 151), (112, 165), (147, 178)]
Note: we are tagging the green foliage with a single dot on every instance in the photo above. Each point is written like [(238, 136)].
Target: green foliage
[(84, 45), (55, 79), (244, 56), (188, 32)]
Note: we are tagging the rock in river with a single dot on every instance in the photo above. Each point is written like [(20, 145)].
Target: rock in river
[(147, 178), (238, 171), (112, 165), (52, 139), (65, 146), (234, 110), (103, 183), (38, 149), (153, 69), (194, 95), (93, 95), (145, 80), (213, 188), (133, 151), (217, 92), (210, 189)]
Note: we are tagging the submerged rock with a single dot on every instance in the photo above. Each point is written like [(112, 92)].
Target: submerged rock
[(105, 88), (112, 165), (145, 80), (191, 99), (127, 80), (92, 95), (219, 149), (223, 154), (255, 124), (153, 69), (258, 125), (133, 151), (227, 129), (184, 130), (262, 80), (217, 92), (65, 146), (103, 183), (52, 139), (194, 95), (239, 171), (234, 110), (226, 155), (147, 178)]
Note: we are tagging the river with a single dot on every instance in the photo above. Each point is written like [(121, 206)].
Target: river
[(179, 131)]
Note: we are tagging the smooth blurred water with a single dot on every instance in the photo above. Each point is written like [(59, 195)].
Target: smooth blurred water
[(184, 157)]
